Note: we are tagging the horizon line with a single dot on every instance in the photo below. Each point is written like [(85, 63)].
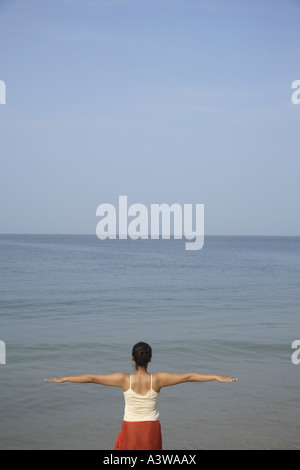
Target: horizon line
[(149, 235)]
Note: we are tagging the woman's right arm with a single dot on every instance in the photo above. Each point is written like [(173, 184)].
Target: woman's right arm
[(165, 379)]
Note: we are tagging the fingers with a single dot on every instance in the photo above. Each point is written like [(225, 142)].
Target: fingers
[(228, 379)]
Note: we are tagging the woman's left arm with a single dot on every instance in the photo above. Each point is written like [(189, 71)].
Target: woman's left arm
[(112, 380)]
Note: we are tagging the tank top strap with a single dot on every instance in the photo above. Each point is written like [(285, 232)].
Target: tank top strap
[(151, 381), (129, 381)]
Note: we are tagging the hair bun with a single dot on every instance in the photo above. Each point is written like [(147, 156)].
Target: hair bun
[(142, 353)]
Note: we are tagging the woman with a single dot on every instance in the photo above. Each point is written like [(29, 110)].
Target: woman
[(141, 427)]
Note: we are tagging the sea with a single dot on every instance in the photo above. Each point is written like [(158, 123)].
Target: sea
[(73, 304)]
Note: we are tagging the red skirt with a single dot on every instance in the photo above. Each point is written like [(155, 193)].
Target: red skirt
[(139, 435)]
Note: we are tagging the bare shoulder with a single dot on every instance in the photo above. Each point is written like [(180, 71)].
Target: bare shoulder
[(166, 379), (117, 379)]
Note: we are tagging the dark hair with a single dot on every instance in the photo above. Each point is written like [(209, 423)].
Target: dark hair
[(142, 354)]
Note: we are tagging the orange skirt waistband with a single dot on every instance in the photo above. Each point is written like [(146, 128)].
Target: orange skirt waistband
[(139, 435)]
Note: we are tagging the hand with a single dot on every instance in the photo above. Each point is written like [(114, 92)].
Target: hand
[(224, 378), (56, 380)]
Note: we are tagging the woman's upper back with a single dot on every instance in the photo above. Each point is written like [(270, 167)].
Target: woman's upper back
[(141, 383), (141, 399)]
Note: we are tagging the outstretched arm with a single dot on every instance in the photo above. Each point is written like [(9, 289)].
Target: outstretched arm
[(165, 379), (112, 380)]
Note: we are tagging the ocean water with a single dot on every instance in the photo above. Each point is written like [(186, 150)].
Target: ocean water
[(74, 304)]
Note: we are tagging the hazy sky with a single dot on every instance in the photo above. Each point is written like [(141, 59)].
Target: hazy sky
[(185, 101)]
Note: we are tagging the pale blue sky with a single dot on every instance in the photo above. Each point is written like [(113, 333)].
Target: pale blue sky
[(185, 101)]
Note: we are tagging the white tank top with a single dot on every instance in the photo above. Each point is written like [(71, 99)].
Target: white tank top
[(140, 407)]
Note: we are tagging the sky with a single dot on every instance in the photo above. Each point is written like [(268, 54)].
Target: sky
[(165, 101)]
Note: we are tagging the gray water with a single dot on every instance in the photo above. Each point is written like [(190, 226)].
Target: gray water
[(74, 304)]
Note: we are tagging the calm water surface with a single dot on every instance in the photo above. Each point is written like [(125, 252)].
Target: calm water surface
[(74, 304)]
